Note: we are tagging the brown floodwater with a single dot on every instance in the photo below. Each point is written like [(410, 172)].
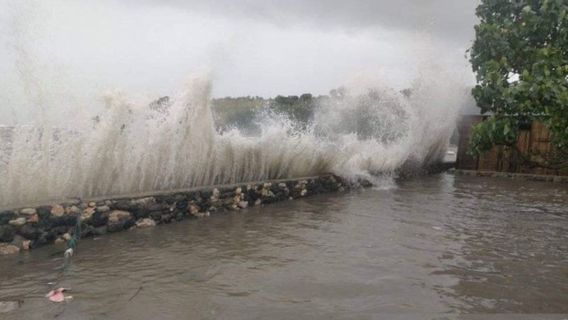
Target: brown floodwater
[(432, 247)]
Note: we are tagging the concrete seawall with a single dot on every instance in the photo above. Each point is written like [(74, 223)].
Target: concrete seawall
[(27, 228)]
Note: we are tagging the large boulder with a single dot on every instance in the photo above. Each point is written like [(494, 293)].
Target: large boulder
[(29, 232)]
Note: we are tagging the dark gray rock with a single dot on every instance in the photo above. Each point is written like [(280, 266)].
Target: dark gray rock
[(180, 197), (157, 215), (44, 212), (87, 231), (29, 232), (66, 220), (56, 231), (182, 205), (99, 231), (6, 216), (117, 226), (158, 207), (43, 239), (206, 194), (252, 195), (129, 223), (167, 199), (227, 194), (18, 240), (99, 219), (141, 213), (125, 205), (7, 233), (167, 218)]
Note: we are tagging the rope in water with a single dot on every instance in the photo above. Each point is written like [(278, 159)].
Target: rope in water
[(72, 243)]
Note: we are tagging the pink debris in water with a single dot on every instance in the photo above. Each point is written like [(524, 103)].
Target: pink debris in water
[(56, 295)]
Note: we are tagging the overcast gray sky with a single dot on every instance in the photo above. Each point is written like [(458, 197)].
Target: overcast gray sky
[(251, 47)]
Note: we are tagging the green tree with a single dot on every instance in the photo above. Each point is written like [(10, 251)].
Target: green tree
[(298, 109), (520, 58)]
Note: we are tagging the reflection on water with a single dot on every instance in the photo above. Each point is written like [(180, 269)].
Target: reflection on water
[(438, 245)]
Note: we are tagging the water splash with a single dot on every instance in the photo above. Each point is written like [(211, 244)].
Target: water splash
[(139, 145), (134, 148)]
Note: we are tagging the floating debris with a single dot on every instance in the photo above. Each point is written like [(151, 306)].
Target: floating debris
[(58, 296)]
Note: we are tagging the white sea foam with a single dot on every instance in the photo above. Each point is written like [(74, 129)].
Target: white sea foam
[(133, 148)]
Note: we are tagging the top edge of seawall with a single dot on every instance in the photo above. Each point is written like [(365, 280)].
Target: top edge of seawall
[(144, 194)]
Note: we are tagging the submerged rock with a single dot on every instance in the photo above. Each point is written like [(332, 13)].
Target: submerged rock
[(99, 231), (8, 249), (193, 209), (26, 245), (44, 238), (166, 217), (202, 214), (145, 223)]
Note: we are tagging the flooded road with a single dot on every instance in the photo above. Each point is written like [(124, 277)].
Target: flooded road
[(431, 247)]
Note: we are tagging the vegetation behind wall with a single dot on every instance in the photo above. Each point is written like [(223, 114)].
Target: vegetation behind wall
[(533, 143)]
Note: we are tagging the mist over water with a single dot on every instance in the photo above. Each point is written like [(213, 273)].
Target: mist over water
[(66, 150)]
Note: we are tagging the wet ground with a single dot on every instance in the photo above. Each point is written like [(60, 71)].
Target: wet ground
[(427, 248)]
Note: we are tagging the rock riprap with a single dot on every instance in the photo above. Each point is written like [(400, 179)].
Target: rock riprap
[(28, 228)]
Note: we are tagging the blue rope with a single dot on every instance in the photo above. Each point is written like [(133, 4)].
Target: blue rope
[(72, 243)]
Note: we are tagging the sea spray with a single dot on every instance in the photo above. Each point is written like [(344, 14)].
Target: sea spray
[(67, 141), (132, 148)]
